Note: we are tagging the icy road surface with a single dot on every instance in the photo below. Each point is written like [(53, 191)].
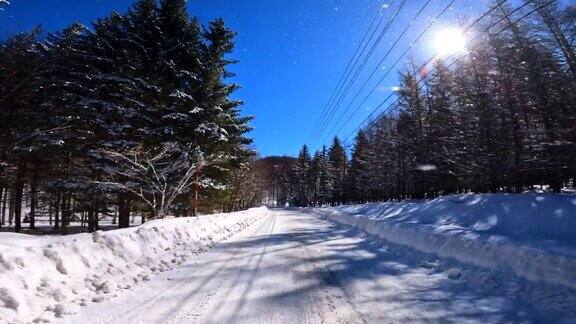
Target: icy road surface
[(292, 267)]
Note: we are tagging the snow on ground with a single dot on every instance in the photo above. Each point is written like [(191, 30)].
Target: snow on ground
[(452, 259), (293, 267), (42, 277), (533, 235)]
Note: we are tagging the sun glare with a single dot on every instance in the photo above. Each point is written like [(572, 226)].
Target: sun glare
[(450, 41)]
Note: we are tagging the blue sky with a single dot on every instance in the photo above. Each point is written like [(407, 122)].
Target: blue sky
[(291, 53)]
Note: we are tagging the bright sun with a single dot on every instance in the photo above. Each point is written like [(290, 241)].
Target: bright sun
[(450, 41)]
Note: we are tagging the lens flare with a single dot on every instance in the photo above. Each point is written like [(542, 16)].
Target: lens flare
[(450, 41)]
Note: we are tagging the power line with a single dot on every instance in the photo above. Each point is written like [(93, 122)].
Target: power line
[(387, 73), (391, 107), (356, 70), (352, 59), (351, 66), (341, 95), (499, 5)]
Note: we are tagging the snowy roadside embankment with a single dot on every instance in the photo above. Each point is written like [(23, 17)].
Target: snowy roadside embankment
[(533, 235), (46, 276)]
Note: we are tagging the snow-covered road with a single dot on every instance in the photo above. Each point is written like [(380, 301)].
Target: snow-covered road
[(292, 267)]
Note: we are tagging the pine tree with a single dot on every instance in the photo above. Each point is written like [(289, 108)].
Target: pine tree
[(439, 131), (326, 177), (358, 178), (411, 141), (502, 118), (321, 173), (303, 184), (20, 118), (286, 185), (546, 85), (551, 17), (138, 83), (339, 165), (382, 159)]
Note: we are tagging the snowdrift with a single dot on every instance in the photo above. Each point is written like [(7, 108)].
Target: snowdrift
[(533, 235), (49, 276)]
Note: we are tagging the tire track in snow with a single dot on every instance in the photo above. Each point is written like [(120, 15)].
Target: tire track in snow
[(144, 306), (196, 311), (321, 271)]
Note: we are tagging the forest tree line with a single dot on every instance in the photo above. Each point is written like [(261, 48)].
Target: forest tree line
[(502, 119), (131, 113)]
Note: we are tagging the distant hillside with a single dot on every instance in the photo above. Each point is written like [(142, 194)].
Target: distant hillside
[(270, 169)]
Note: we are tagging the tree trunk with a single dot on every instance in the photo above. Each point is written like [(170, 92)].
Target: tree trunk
[(96, 221), (124, 209), (66, 212), (3, 193), (11, 207), (185, 210), (65, 219), (92, 221), (196, 196), (556, 180), (92, 225), (57, 212), (63, 213), (143, 217), (50, 213), (17, 197), (33, 196)]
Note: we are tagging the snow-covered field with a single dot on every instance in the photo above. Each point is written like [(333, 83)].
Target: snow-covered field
[(532, 235), (42, 277)]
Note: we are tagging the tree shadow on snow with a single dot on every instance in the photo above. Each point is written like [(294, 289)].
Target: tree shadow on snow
[(380, 281)]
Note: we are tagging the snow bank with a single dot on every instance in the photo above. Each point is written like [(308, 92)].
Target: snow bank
[(49, 276), (533, 235)]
